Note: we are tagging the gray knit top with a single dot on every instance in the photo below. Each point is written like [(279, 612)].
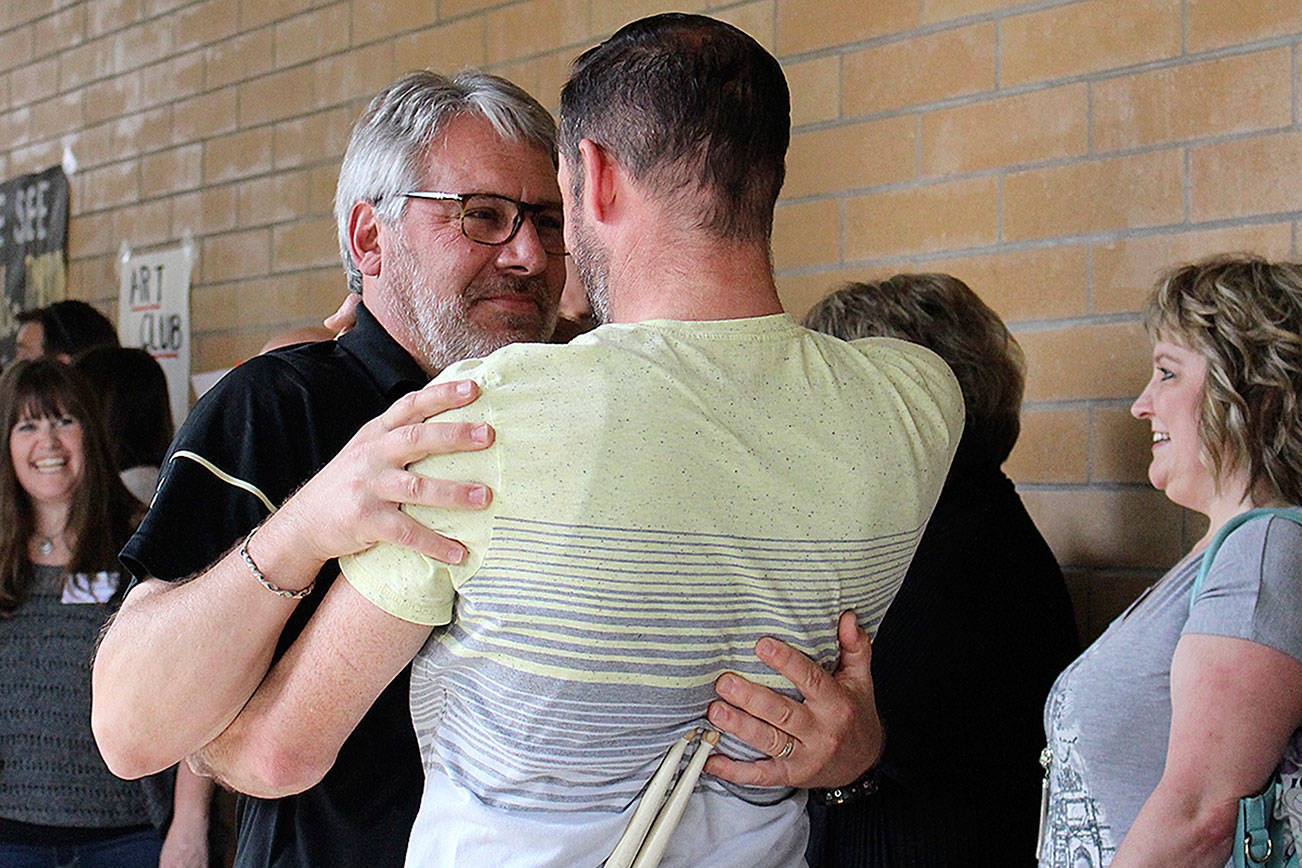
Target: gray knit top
[(51, 773)]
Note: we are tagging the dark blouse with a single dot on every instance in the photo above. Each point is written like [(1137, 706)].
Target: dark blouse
[(53, 781), (961, 665)]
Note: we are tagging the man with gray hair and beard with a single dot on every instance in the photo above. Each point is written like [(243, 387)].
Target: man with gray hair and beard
[(726, 476), (450, 227)]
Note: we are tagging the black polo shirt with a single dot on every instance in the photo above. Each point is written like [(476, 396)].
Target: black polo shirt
[(267, 427)]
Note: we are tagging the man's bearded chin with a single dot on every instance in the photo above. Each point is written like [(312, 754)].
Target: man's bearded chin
[(442, 326), (594, 269), (532, 325)]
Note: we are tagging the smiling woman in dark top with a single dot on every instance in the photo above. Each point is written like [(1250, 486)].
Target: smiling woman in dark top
[(980, 627), (65, 515)]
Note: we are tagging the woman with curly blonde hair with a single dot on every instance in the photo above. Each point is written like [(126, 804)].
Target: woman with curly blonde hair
[(1188, 700)]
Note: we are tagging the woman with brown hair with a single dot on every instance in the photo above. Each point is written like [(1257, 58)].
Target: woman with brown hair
[(64, 514)]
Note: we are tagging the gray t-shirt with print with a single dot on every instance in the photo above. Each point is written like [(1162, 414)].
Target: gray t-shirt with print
[(1108, 715)]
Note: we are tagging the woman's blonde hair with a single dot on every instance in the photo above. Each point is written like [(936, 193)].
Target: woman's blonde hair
[(1244, 315)]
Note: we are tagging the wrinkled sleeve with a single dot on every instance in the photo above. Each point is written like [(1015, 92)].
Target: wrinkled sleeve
[(1252, 590), (408, 584)]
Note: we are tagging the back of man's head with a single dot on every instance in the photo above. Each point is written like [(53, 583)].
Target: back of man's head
[(389, 144), (71, 326), (131, 391), (688, 105)]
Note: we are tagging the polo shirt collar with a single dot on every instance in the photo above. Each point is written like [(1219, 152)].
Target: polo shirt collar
[(394, 371)]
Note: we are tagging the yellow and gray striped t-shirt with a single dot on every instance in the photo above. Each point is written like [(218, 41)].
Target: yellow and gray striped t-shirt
[(664, 494)]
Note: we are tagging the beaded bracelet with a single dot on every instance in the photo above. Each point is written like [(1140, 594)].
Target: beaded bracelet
[(867, 784), (262, 579)]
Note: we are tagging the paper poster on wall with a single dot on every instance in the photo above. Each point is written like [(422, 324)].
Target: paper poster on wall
[(33, 247), (154, 314)]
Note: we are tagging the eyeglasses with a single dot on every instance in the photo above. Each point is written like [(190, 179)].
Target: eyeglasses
[(487, 218)]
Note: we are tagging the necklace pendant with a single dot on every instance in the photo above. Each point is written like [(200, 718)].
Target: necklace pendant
[(45, 546)]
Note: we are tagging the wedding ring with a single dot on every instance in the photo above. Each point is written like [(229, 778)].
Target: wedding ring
[(786, 749)]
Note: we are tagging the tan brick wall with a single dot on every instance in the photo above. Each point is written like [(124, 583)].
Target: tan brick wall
[(1054, 154)]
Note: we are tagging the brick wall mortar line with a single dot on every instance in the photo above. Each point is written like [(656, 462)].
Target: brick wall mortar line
[(842, 221), (840, 91), (1090, 445), (1089, 118), (1039, 165), (1295, 84), (244, 27), (1187, 183), (1034, 326), (394, 37), (1089, 279), (1076, 404), (483, 11), (1184, 27), (204, 46), (1120, 487), (235, 282), (999, 211), (573, 48), (1049, 84), (172, 51), (1042, 243), (921, 30), (919, 170), (59, 50), (999, 55)]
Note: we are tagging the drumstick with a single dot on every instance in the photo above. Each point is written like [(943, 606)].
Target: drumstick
[(658, 840), (649, 805)]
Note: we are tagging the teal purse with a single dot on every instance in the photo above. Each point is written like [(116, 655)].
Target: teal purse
[(1261, 839)]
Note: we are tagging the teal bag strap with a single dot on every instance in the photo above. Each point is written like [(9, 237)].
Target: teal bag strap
[(1228, 528), (1253, 832)]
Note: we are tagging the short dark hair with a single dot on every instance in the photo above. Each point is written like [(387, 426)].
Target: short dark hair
[(131, 391), (943, 314), (690, 104), (70, 327)]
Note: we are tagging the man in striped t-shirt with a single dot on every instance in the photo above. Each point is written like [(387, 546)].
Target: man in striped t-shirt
[(696, 474)]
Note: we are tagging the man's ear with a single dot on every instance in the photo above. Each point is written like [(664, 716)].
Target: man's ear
[(602, 179), (364, 238)]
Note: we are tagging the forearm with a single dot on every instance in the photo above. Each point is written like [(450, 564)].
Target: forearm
[(179, 661), (287, 737), (1179, 826), (264, 751), (193, 798), (186, 844), (259, 770), (1234, 704)]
